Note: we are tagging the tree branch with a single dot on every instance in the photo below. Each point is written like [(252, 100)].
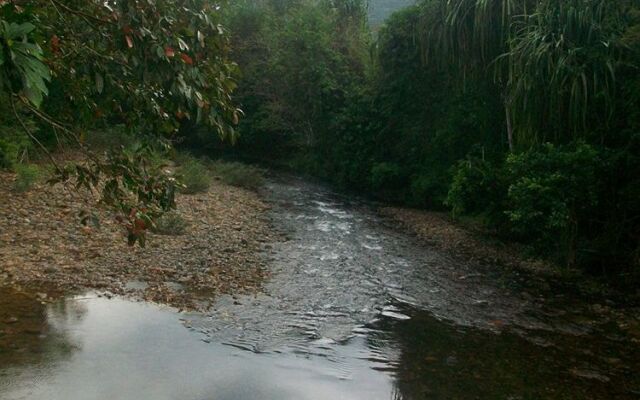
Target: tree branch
[(82, 14)]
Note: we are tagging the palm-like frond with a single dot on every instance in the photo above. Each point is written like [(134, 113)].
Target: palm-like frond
[(555, 60)]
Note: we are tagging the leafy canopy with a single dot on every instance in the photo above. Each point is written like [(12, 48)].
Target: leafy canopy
[(150, 65)]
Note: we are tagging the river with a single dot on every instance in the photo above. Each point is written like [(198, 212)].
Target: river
[(354, 309)]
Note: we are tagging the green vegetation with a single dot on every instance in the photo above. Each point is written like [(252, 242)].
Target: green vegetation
[(194, 176), (522, 114), (171, 224), (69, 69), (238, 174), (27, 175)]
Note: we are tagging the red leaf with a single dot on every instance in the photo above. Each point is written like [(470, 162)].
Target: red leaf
[(169, 52), (55, 44), (186, 59), (129, 41)]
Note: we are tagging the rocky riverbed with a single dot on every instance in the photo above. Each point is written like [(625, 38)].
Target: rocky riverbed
[(44, 247)]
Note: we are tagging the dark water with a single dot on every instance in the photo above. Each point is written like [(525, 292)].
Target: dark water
[(354, 310)]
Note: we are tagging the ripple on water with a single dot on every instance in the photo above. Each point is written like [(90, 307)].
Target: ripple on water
[(336, 320)]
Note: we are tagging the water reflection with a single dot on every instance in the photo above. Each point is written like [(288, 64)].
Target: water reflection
[(93, 348), (442, 361), (349, 313), (28, 335), (128, 350)]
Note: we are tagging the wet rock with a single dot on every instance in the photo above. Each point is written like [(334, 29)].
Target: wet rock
[(589, 374), (451, 361)]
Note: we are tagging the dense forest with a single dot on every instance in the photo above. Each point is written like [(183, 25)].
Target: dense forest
[(522, 115)]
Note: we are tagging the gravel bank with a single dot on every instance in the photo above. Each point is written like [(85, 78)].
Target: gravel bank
[(439, 230), (44, 246)]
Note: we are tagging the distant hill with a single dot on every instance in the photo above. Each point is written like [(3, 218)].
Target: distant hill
[(379, 10)]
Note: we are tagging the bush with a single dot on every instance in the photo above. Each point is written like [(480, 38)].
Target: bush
[(8, 154), (384, 174), (387, 180), (14, 144), (238, 174), (553, 190), (478, 187), (26, 177), (195, 176), (171, 223)]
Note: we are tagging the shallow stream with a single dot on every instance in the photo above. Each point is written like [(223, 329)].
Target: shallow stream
[(354, 309)]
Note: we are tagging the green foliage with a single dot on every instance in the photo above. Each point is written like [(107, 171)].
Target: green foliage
[(27, 175), (238, 174), (552, 189), (562, 62), (478, 187), (386, 178), (22, 60), (300, 62), (556, 62), (80, 67), (453, 108), (171, 224), (195, 176), (15, 146)]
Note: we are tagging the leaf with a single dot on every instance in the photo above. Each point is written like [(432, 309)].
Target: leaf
[(187, 60), (55, 44), (129, 41), (99, 83), (183, 45), (201, 39), (169, 52), (33, 95), (19, 30)]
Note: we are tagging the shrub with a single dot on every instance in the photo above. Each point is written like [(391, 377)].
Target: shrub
[(8, 154), (26, 177), (195, 176), (384, 174), (387, 180), (552, 191), (14, 144), (171, 223), (238, 174), (477, 187)]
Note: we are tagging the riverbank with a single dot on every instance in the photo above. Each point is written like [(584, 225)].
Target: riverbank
[(438, 229), (44, 247), (473, 246)]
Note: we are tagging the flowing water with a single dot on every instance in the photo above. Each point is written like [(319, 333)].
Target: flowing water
[(354, 309)]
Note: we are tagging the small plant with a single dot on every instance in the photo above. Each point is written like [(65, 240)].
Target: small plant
[(171, 223), (238, 174), (26, 177), (195, 176)]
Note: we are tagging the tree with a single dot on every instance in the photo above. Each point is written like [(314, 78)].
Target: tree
[(151, 65), (555, 60)]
